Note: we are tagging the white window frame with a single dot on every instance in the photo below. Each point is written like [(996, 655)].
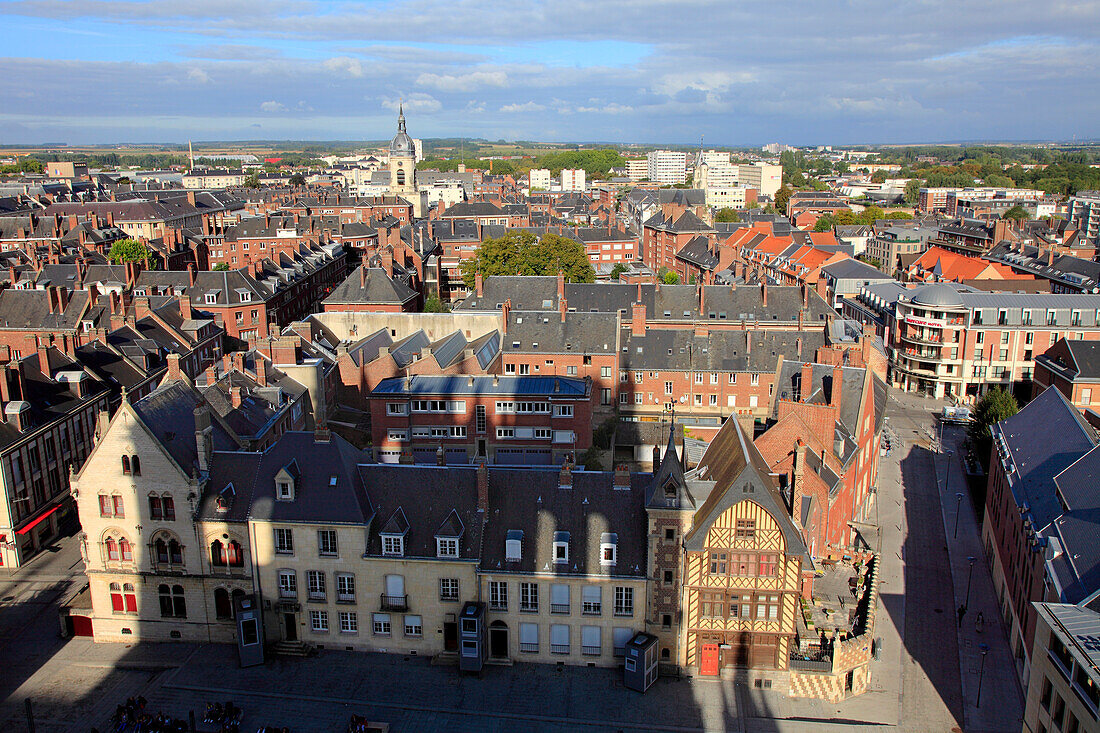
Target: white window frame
[(345, 587), (380, 624), (349, 622), (318, 621), (393, 545), (449, 589), (446, 546)]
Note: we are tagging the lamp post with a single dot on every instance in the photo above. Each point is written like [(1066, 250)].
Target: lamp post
[(969, 576), (981, 673), (958, 503)]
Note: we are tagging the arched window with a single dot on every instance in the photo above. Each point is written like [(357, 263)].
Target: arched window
[(112, 549), (116, 598), (400, 178), (130, 597), (175, 552), (234, 556), (156, 507), (135, 465), (165, 596), (223, 608), (179, 604), (160, 550), (125, 550), (126, 465), (217, 554), (169, 508)]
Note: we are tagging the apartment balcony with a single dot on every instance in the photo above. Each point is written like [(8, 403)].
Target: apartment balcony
[(591, 609), (559, 648), (907, 335), (590, 651), (562, 609), (395, 603), (529, 647), (811, 661)]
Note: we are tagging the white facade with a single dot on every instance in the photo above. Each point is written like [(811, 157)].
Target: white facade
[(418, 148), (572, 179), (716, 176), (637, 169), (667, 166), (714, 158), (727, 196), (540, 178), (764, 177)]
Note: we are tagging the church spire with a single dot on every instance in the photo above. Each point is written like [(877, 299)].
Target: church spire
[(401, 117)]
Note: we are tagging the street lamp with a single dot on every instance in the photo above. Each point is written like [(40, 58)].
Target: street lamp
[(969, 576), (981, 673), (958, 503)]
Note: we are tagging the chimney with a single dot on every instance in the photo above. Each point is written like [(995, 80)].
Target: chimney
[(565, 477), (235, 397), (563, 306), (838, 379), (764, 293), (5, 389), (261, 370), (478, 284), (1050, 257), (174, 372), (805, 382), (191, 274), (203, 446), (656, 458), (622, 476), (505, 310), (561, 285), (321, 434), (798, 470), (185, 307), (867, 342), (637, 319), (482, 487), (805, 296), (440, 456), (363, 275), (798, 347)]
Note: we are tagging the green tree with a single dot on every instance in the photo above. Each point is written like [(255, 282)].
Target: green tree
[(1017, 213), (912, 191), (870, 215), (898, 215), (127, 250), (521, 252), (670, 278), (782, 196), (221, 267), (253, 180), (434, 305), (297, 180), (996, 405), (878, 177), (999, 181), (617, 270), (824, 224), (726, 214)]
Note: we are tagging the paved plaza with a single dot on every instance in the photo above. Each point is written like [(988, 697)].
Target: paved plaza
[(918, 683)]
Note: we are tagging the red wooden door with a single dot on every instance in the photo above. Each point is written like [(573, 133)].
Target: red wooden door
[(709, 662), (82, 625)]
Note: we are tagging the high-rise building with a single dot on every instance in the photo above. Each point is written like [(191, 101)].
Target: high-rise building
[(539, 178), (667, 166), (572, 179), (766, 178)]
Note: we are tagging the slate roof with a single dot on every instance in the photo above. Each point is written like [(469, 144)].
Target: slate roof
[(375, 287), (542, 386), (720, 351), (1074, 360), (169, 413), (853, 269), (530, 500), (546, 333)]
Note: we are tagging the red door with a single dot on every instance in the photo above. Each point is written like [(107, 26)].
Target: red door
[(709, 662), (82, 625)]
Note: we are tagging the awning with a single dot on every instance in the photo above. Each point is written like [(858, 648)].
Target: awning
[(36, 522)]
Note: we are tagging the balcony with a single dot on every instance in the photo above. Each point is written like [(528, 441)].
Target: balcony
[(811, 661), (591, 609), (908, 335), (529, 647), (590, 651), (624, 611), (528, 607), (395, 603), (559, 648), (559, 608)]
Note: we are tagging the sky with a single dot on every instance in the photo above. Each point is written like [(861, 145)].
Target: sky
[(727, 72)]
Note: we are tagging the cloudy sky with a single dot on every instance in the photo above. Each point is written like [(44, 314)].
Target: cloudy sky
[(739, 72)]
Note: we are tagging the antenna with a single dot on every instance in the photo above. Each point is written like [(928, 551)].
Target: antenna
[(191, 154)]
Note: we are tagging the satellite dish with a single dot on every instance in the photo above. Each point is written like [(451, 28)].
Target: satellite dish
[(683, 398)]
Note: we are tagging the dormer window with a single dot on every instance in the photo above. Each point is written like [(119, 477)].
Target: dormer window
[(513, 545), (284, 490), (446, 546), (245, 296), (561, 547), (609, 549), (284, 481), (225, 497), (212, 297), (393, 544), (670, 489)]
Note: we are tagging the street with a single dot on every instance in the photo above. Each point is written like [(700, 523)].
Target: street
[(918, 683)]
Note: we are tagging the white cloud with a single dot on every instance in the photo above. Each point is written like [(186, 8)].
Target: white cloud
[(525, 107), (417, 102), (272, 107), (198, 76), (463, 82), (612, 108), (345, 65)]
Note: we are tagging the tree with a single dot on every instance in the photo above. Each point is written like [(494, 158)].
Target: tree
[(1017, 213), (782, 196), (297, 180), (127, 250), (824, 224), (996, 405), (221, 267), (899, 215), (878, 177), (670, 278), (434, 305), (912, 191), (617, 270), (726, 214), (253, 180), (521, 252)]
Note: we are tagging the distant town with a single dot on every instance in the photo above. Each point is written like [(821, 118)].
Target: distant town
[(809, 427)]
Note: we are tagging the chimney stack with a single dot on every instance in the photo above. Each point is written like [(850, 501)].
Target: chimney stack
[(637, 319), (482, 486), (805, 382), (174, 372), (764, 293), (622, 476), (838, 379), (203, 446), (235, 397), (478, 284), (565, 477)]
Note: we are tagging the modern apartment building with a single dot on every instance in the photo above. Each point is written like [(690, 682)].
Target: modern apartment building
[(573, 179), (667, 166), (766, 178)]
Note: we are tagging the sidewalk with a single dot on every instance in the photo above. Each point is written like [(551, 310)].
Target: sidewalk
[(1000, 707)]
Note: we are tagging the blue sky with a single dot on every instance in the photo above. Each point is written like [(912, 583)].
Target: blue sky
[(739, 72)]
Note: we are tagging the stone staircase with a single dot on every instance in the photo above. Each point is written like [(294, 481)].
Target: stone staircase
[(294, 649)]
